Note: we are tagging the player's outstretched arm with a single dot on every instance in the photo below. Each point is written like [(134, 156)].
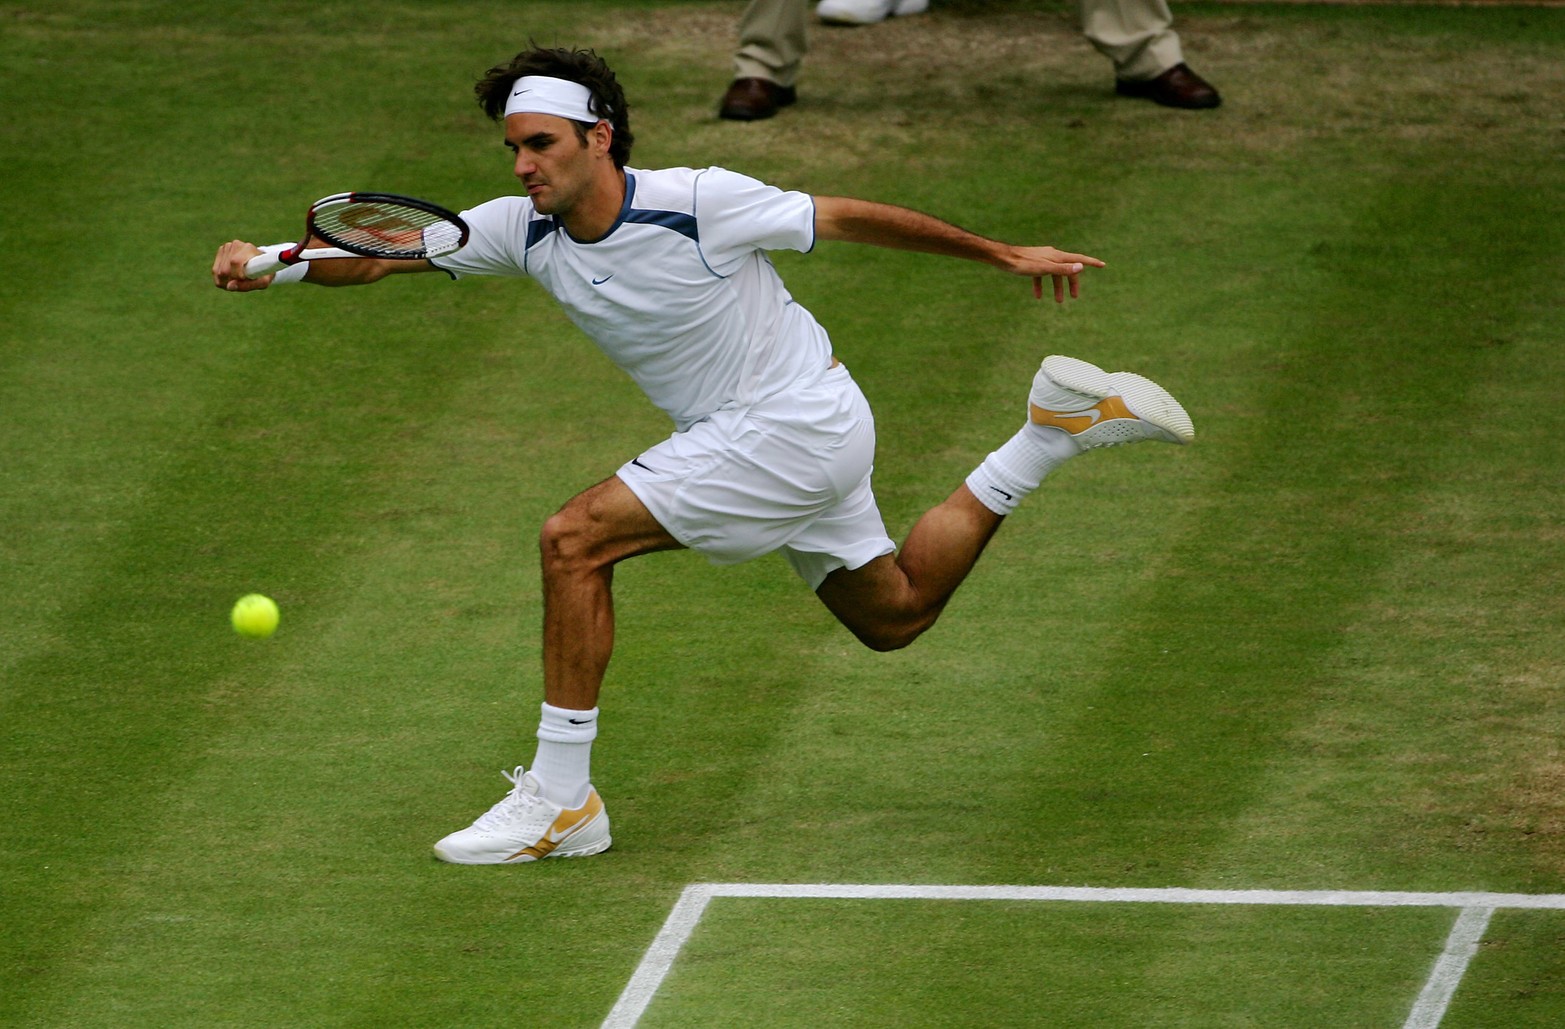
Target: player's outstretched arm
[(885, 225), (228, 269)]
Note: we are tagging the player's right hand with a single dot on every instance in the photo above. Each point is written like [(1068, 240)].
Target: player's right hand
[(228, 268)]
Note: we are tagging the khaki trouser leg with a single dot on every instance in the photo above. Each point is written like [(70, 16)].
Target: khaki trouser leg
[(772, 42), (1137, 35)]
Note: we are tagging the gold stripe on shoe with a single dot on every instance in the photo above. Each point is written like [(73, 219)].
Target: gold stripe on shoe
[(1077, 422), (564, 826)]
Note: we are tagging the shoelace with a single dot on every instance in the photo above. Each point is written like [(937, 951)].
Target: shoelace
[(509, 804)]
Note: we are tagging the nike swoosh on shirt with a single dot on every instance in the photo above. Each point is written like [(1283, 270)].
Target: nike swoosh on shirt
[(606, 278)]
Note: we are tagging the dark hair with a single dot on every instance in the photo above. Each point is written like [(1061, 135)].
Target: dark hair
[(580, 66)]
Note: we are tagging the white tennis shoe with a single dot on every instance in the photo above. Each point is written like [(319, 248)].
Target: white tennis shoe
[(526, 827), (866, 12), (1105, 409)]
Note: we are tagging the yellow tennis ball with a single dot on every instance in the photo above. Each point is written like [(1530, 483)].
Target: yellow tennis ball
[(255, 616)]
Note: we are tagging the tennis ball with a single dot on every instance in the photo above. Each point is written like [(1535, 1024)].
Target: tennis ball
[(255, 616)]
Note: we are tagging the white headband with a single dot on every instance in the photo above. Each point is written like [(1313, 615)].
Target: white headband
[(540, 94)]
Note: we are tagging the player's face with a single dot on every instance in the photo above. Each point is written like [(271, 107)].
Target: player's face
[(553, 163)]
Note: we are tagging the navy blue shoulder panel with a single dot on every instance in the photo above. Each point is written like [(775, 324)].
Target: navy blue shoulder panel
[(539, 230), (684, 224)]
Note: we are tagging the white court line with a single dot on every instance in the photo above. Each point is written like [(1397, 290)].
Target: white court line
[(1460, 947), (659, 958), (1136, 895), (1463, 941)]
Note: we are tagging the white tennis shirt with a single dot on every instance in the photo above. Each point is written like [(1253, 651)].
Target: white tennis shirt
[(679, 293)]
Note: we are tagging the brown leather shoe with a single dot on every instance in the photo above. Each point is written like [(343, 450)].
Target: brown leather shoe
[(1176, 87), (754, 99)]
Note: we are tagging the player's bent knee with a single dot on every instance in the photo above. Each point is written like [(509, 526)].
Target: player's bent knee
[(886, 637), (885, 643), (566, 540), (587, 535)]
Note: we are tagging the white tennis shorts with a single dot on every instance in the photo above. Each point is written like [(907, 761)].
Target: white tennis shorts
[(789, 474)]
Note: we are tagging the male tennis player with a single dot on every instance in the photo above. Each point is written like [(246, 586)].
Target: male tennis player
[(667, 272)]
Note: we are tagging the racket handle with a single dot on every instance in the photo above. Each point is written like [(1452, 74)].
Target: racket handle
[(266, 262)]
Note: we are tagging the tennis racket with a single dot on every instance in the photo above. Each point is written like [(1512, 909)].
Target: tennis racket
[(369, 225)]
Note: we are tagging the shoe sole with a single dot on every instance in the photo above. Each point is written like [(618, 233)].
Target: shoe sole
[(1146, 399), (564, 850), (597, 847)]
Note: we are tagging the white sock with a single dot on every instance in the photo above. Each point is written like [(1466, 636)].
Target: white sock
[(563, 764), (1016, 469)]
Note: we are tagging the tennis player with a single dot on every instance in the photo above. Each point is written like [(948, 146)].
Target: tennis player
[(773, 444)]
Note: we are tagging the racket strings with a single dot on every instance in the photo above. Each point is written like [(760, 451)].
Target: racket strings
[(378, 229), (443, 237)]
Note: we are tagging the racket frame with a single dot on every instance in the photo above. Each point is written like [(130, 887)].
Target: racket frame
[(270, 262)]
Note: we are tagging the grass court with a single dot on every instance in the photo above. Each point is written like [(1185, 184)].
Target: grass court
[(1319, 651)]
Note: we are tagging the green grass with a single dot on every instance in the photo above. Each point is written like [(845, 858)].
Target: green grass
[(1317, 650), (872, 963)]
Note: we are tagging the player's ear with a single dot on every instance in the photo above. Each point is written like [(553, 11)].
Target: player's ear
[(601, 137)]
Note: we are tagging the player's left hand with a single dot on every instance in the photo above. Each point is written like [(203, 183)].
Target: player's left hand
[(1062, 267)]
